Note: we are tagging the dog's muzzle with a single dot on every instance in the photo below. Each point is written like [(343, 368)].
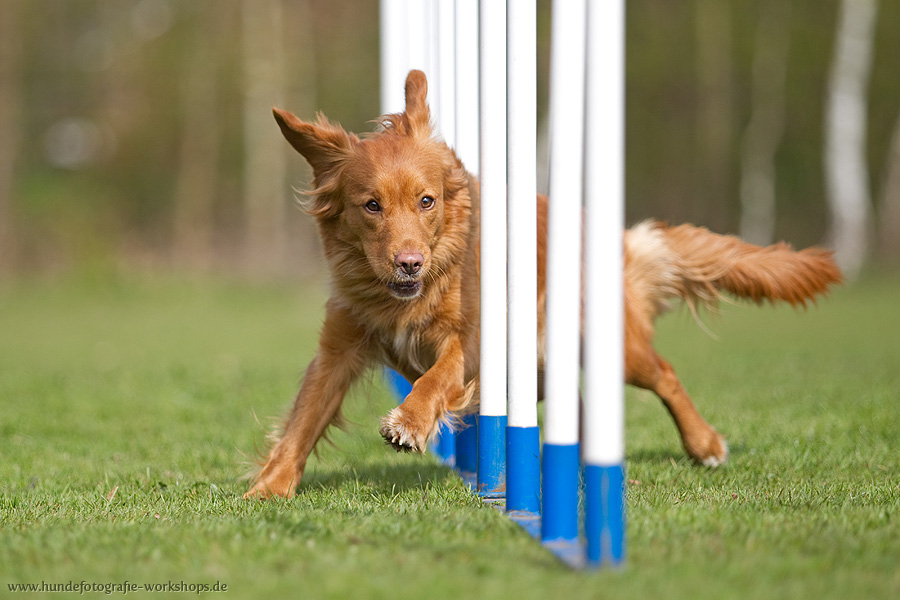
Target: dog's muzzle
[(405, 289), (408, 283)]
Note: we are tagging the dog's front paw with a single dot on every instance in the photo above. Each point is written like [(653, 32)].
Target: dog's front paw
[(404, 431)]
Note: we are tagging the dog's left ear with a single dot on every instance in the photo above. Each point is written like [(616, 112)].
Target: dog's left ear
[(417, 113)]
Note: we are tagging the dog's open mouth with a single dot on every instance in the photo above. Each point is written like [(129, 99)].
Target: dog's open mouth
[(405, 289)]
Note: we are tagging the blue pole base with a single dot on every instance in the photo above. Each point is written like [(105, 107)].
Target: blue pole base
[(444, 446), (467, 450), (604, 519), (523, 471), (530, 522), (492, 456), (560, 470), (397, 384)]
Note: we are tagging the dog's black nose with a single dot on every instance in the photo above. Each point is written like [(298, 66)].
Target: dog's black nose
[(409, 262)]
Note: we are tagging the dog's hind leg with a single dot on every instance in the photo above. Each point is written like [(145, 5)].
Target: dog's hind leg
[(703, 443), (646, 369)]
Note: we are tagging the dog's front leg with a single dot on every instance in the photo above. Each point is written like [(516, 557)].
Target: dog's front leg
[(410, 425), (342, 356)]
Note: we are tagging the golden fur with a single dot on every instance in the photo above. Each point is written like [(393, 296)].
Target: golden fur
[(398, 216)]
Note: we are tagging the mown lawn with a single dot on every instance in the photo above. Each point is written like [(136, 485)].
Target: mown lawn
[(129, 411)]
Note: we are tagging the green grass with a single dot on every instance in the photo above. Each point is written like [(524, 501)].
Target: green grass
[(130, 410)]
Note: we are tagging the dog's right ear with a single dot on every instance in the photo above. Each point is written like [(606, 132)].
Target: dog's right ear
[(322, 144)]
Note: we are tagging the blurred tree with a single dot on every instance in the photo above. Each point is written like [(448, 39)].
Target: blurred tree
[(196, 182), (766, 127), (889, 206), (661, 114), (846, 167), (303, 47), (265, 167), (715, 107), (10, 122)]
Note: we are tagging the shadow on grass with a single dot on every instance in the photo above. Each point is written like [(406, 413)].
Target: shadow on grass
[(661, 455), (655, 456), (418, 473), (380, 478)]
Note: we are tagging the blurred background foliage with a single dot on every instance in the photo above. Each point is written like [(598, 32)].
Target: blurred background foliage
[(136, 134)]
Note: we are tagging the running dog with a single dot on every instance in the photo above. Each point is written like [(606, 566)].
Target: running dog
[(398, 217)]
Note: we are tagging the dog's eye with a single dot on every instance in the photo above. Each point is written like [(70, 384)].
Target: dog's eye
[(427, 202), (373, 207)]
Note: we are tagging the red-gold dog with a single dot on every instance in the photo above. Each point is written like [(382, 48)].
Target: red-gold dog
[(398, 216)]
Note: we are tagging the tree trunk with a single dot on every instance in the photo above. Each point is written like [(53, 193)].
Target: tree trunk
[(10, 123), (889, 208), (301, 98), (265, 197), (766, 127), (846, 174), (716, 109), (196, 181)]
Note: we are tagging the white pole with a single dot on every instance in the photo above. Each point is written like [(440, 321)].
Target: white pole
[(407, 42), (417, 35), (394, 53), (467, 89), (431, 63), (560, 460), (604, 439), (493, 208), (446, 35), (522, 152), (604, 329), (564, 226), (492, 419), (467, 149), (523, 464)]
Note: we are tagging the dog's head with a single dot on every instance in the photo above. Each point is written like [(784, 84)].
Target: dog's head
[(388, 197)]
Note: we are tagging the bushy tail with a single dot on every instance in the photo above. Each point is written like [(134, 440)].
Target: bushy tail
[(708, 262)]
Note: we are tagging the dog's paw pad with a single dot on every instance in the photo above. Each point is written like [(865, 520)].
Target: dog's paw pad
[(398, 433)]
